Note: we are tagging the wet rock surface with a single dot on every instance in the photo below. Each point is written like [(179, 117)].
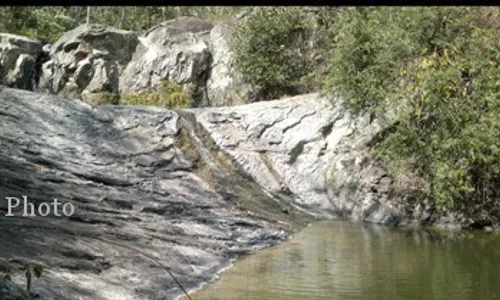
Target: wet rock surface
[(11, 291)]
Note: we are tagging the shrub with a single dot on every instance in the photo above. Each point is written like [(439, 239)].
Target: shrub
[(439, 67), (103, 98), (44, 23), (270, 49), (166, 94)]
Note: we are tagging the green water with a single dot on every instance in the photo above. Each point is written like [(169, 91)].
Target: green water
[(346, 261)]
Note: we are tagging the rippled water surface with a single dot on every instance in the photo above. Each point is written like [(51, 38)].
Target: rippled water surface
[(342, 260)]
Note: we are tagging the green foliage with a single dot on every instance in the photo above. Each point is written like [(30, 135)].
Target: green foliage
[(48, 23), (437, 69), (166, 94), (38, 270), (30, 269), (371, 44), (45, 23), (107, 98), (271, 49)]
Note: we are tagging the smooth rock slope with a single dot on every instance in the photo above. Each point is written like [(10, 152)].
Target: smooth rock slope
[(133, 175), (192, 189)]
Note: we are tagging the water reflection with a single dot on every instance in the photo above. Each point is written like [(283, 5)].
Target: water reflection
[(343, 260)]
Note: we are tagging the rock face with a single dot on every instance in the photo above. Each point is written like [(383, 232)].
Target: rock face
[(188, 190), (86, 63), (138, 179), (175, 50), (280, 144), (314, 155), (225, 86), (10, 291), (359, 188), (311, 154), (18, 59), (100, 64)]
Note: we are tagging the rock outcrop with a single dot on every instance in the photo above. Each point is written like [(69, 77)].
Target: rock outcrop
[(313, 154), (100, 64), (86, 63), (191, 189), (282, 145), (139, 178), (176, 51), (225, 86), (18, 61)]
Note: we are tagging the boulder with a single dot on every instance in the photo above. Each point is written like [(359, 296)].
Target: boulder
[(99, 64), (176, 51), (18, 60), (85, 63), (225, 86)]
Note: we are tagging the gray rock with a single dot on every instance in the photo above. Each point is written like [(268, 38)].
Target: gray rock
[(87, 61), (18, 57), (139, 178), (285, 145), (10, 291), (175, 50), (191, 189), (225, 86), (94, 63), (359, 187), (313, 155)]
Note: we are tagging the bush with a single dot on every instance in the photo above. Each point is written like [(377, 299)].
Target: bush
[(44, 23), (439, 67), (106, 98), (166, 94), (270, 49)]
